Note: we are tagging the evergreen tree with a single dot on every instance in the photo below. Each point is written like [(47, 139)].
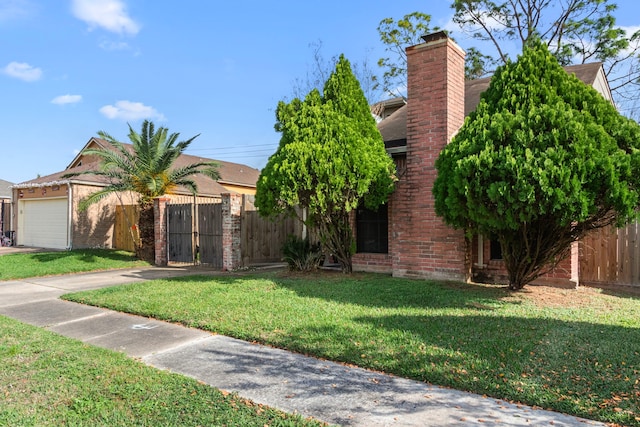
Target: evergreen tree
[(543, 160), (330, 159)]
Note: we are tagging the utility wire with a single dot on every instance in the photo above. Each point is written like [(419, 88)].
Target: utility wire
[(234, 148)]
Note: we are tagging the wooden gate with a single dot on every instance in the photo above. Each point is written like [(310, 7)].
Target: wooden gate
[(195, 225), (180, 232), (611, 256), (194, 233), (126, 220), (210, 234)]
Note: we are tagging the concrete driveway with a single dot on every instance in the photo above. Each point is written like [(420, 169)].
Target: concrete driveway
[(5, 250)]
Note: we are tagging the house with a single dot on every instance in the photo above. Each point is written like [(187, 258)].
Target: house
[(405, 237), (46, 208), (5, 208)]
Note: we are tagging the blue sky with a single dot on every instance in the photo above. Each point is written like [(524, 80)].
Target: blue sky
[(70, 68)]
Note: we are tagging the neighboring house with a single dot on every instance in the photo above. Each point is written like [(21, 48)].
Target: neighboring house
[(47, 213), (5, 207), (405, 237)]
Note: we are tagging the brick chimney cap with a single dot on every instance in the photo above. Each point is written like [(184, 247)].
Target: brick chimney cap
[(428, 38)]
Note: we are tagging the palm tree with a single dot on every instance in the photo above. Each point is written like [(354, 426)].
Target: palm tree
[(145, 168)]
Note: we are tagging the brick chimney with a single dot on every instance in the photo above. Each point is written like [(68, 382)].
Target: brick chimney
[(423, 245)]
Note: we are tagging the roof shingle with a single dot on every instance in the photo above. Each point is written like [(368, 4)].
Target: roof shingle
[(230, 173), (394, 127)]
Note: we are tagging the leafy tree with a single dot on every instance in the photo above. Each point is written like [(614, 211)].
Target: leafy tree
[(569, 28), (477, 64), (330, 159), (543, 160), (146, 167), (397, 36), (576, 31)]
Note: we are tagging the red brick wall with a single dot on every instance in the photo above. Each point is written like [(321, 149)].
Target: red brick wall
[(231, 231), (565, 274), (160, 230), (423, 246), (372, 263)]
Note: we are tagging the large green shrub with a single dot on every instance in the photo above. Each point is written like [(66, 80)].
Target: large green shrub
[(543, 160), (302, 255), (331, 158)]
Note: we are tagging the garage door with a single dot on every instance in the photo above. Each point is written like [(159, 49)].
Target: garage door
[(43, 223)]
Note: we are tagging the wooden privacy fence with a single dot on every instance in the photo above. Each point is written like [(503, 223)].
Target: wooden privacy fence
[(126, 217), (206, 231), (611, 256), (262, 239)]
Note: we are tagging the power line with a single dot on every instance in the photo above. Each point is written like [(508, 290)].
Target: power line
[(241, 153), (234, 148)]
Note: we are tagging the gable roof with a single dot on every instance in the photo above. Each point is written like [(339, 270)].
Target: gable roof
[(394, 127), (235, 174), (587, 73), (5, 190)]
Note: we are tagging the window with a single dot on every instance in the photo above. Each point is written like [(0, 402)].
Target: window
[(372, 230), (495, 249)]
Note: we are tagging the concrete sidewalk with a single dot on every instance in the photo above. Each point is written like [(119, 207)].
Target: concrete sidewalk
[(327, 391)]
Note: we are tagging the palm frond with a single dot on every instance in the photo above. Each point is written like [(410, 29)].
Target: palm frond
[(187, 183), (209, 169), (147, 166), (104, 135)]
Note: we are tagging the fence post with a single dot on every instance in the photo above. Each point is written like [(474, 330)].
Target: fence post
[(160, 230), (231, 231)]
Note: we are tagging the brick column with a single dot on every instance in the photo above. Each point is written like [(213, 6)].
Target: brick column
[(575, 264), (160, 230), (231, 235), (423, 245)]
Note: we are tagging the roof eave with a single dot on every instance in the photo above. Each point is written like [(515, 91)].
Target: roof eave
[(239, 184), (57, 182)]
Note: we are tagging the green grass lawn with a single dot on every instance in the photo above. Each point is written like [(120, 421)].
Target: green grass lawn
[(574, 351), (49, 380), (21, 265)]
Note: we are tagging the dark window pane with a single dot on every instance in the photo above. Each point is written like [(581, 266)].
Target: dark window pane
[(372, 230), (495, 248)]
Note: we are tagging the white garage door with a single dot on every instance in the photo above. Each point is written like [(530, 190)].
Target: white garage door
[(43, 223)]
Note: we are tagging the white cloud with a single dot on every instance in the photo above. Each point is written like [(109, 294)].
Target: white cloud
[(112, 46), (127, 110), (110, 15), (631, 30), (634, 44), (10, 10), (23, 71), (118, 46), (66, 99)]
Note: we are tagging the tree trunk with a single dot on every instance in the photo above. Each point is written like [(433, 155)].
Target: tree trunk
[(337, 238), (534, 250), (146, 251)]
